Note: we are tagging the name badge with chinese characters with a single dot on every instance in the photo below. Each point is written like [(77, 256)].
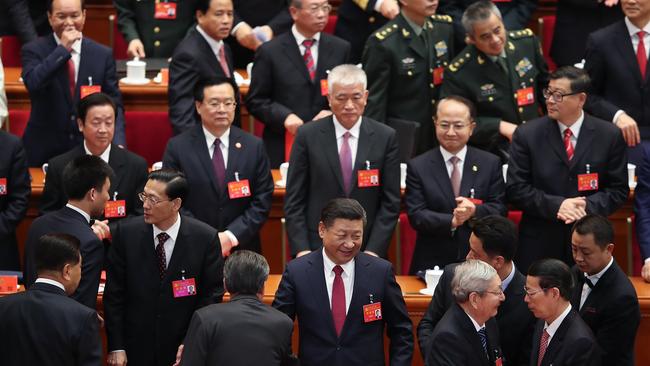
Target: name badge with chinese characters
[(438, 75), (323, 87), (368, 177), (165, 11), (115, 208), (525, 96), (89, 89), (3, 187), (372, 311), (184, 287), (588, 181), (474, 200), (239, 188)]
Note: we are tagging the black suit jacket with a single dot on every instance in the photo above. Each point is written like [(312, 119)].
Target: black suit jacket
[(303, 293), (612, 312), (573, 344), (69, 221), (52, 127), (142, 316), (281, 86), (15, 20), (540, 177), (455, 341), (356, 21), (193, 60), (244, 331), (130, 176), (616, 79), (13, 203), (207, 202), (42, 326), (514, 320), (315, 178), (430, 204)]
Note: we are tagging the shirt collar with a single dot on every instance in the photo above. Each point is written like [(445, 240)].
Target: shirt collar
[(329, 265), (417, 29), (209, 137), (76, 46), (575, 128), (172, 231), (81, 212), (299, 37), (339, 130), (446, 155), (214, 44), (104, 156), (508, 279), (476, 325), (633, 30), (50, 282), (552, 328), (595, 277)]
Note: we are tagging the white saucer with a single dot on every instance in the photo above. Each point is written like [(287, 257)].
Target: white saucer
[(135, 81), (281, 183), (427, 291)]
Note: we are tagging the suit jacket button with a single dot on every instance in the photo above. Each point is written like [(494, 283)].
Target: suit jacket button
[(338, 348), (371, 20), (157, 43), (156, 29)]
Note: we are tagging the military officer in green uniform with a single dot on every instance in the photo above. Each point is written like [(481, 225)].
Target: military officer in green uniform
[(502, 72), (405, 61), (153, 28)]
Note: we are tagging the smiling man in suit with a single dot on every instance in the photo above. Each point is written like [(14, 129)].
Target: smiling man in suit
[(58, 70), (344, 155), (604, 295), (344, 299), (161, 268), (449, 185), (289, 81), (219, 160)]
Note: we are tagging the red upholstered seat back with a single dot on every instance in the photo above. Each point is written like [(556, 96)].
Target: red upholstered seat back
[(117, 41), (18, 121), (147, 134), (331, 24), (11, 51), (546, 29)]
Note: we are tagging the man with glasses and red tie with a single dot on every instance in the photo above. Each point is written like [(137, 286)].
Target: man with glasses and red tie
[(562, 167), (161, 268)]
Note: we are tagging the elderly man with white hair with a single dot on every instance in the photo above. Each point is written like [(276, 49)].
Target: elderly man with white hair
[(468, 334)]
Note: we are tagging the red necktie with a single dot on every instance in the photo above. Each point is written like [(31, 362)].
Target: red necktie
[(160, 251), (345, 157), (455, 175), (309, 59), (568, 146), (338, 300), (543, 344), (223, 62), (218, 163), (71, 78), (640, 54)]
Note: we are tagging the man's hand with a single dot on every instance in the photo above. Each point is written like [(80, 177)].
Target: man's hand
[(101, 229), (629, 128), (117, 358), (610, 3), (292, 122), (389, 9), (322, 114), (572, 209), (465, 210), (136, 49), (267, 31), (69, 36), (179, 355), (226, 244), (246, 37), (507, 129), (304, 252)]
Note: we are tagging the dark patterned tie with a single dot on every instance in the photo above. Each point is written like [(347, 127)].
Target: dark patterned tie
[(568, 146), (483, 336), (309, 58), (160, 251), (543, 344), (218, 163)]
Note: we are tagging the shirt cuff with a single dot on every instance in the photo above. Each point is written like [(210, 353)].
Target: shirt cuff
[(117, 350), (646, 261), (378, 5), (232, 237), (618, 114), (234, 29)]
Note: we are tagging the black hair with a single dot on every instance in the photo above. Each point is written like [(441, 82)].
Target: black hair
[(553, 273), (342, 208), (83, 173), (598, 226), (94, 100), (498, 235), (176, 184), (54, 251)]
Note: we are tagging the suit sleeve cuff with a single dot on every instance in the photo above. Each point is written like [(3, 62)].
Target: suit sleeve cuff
[(232, 237), (234, 29), (646, 261), (378, 5), (617, 114)]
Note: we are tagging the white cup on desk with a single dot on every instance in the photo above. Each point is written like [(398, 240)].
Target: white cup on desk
[(432, 277), (631, 169), (402, 175), (284, 171)]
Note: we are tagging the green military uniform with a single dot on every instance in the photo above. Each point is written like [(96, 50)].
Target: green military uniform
[(400, 67), (135, 19), (476, 77)]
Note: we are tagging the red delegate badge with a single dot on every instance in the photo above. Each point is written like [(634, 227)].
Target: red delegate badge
[(165, 11), (8, 284), (183, 288), (323, 87), (3, 187), (438, 75), (87, 90), (239, 189), (588, 182), (476, 201), (525, 96), (372, 312), (368, 178), (114, 209)]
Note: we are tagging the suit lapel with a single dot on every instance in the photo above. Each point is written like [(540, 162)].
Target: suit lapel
[(233, 157), (583, 145), (441, 176), (596, 293), (415, 42), (558, 339), (116, 160), (366, 138), (359, 291), (469, 331), (292, 51), (623, 43), (203, 155), (328, 136), (554, 140), (207, 50), (316, 275), (148, 249), (84, 72), (469, 174)]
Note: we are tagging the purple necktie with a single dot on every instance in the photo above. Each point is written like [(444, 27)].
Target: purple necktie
[(160, 251), (345, 157), (218, 164), (455, 175)]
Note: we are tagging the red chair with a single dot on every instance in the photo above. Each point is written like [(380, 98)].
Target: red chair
[(10, 51), (115, 39), (18, 121), (633, 250), (407, 240), (545, 31), (331, 24), (147, 134)]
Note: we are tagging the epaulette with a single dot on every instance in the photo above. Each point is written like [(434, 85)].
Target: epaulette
[(524, 33), (386, 31), (441, 18), (460, 60)]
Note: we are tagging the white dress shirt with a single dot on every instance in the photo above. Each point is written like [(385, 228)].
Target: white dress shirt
[(575, 129), (50, 282), (171, 242), (446, 155), (214, 44), (586, 290), (75, 53), (104, 156), (353, 140), (553, 327), (224, 144), (347, 276), (314, 48), (81, 212)]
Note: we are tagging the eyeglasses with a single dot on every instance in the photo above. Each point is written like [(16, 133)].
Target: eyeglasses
[(228, 105), (152, 200), (313, 10), (557, 96), (534, 292), (497, 292), (455, 126)]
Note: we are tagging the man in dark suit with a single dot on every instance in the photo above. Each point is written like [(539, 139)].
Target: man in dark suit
[(345, 155), (96, 121), (287, 89), (161, 268), (561, 337), (502, 72), (218, 161), (405, 62), (15, 20), (15, 188), (642, 210), (562, 167), (243, 331), (344, 300), (448, 186), (494, 241), (58, 70), (617, 63), (467, 334), (86, 180), (604, 295), (42, 326), (201, 55)]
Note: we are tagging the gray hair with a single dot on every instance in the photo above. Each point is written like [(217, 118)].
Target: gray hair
[(471, 276), (245, 272), (478, 12), (296, 3), (346, 74)]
